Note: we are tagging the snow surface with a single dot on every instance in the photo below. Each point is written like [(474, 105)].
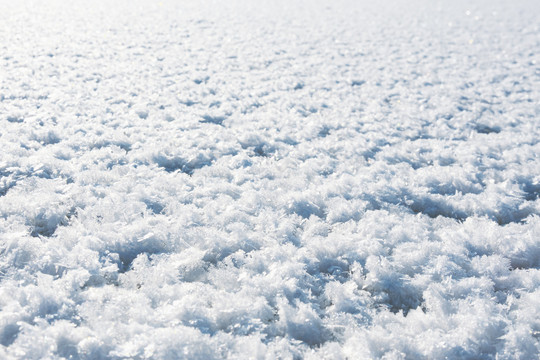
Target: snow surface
[(269, 179)]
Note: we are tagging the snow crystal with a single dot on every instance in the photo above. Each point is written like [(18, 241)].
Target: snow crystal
[(270, 180)]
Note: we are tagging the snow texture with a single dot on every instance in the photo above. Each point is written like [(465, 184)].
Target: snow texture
[(277, 179)]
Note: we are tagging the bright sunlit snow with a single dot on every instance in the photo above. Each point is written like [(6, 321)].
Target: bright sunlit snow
[(285, 179)]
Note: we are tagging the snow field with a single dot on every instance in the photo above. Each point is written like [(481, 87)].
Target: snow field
[(285, 179)]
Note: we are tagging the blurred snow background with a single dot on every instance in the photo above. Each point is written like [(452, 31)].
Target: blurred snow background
[(269, 179)]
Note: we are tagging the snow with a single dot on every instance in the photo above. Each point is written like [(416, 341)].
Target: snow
[(269, 179)]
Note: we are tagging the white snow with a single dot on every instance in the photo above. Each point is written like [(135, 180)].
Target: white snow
[(269, 179)]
